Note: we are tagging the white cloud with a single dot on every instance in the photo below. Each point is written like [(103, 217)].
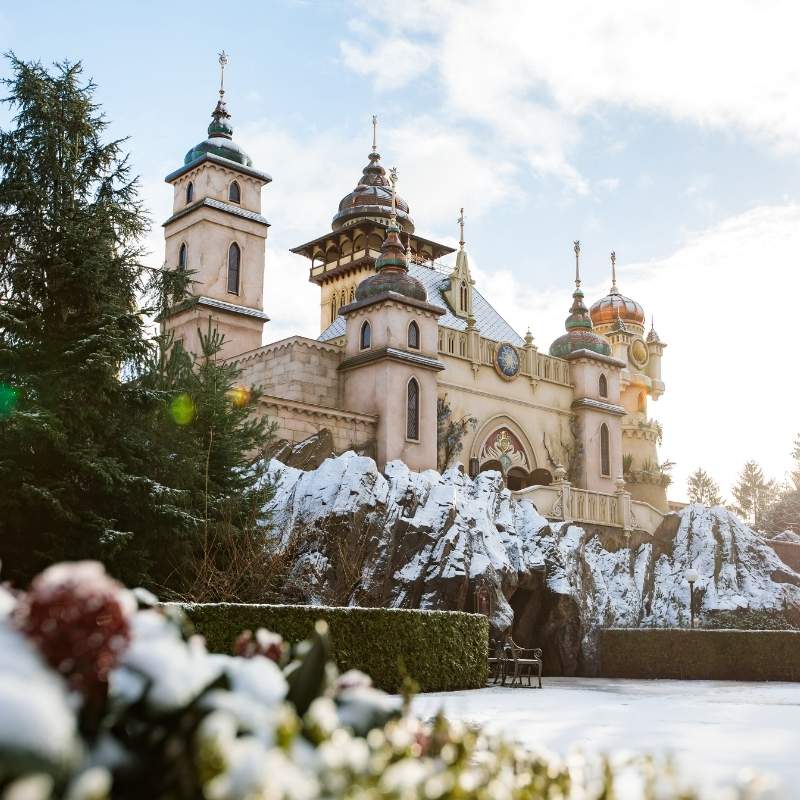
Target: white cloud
[(724, 303), (531, 72)]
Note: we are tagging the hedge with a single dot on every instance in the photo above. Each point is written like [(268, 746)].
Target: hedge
[(735, 655), (440, 650)]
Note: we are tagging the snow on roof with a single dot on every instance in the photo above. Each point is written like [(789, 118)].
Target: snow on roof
[(489, 322)]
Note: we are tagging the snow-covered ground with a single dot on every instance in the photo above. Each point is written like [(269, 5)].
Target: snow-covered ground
[(714, 729)]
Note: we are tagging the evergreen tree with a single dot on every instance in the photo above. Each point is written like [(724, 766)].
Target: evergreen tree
[(113, 444), (753, 495), (784, 514), (702, 488)]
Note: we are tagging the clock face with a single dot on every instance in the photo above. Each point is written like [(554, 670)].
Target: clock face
[(507, 361)]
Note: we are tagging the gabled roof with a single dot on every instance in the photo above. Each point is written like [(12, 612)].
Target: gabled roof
[(490, 324)]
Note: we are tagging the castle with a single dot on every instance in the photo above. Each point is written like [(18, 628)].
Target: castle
[(408, 346)]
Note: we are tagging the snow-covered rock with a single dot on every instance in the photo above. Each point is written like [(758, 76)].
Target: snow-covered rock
[(425, 540)]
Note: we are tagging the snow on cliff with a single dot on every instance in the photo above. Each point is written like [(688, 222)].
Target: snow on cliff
[(425, 540)]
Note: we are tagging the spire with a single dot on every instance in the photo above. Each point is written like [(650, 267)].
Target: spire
[(393, 253), (578, 313), (374, 133), (461, 227), (652, 337), (220, 118), (614, 289)]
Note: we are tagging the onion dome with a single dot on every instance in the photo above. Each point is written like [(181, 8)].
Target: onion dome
[(392, 275), (372, 195), (615, 305), (392, 264), (579, 335)]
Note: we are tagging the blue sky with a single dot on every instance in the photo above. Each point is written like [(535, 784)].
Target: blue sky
[(665, 131)]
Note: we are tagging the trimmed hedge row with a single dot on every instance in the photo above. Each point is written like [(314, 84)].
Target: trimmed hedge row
[(733, 655), (440, 650)]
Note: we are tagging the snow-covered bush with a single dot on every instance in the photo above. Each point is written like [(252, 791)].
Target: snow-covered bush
[(105, 694)]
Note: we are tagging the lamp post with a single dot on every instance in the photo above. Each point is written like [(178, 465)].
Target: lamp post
[(691, 575)]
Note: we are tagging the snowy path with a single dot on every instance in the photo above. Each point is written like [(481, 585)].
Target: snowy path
[(713, 728)]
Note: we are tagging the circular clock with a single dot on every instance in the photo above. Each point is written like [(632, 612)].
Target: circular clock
[(638, 353), (506, 361)]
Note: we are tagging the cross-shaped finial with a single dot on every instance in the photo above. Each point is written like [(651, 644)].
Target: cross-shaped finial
[(576, 246), (223, 60), (461, 226), (374, 133), (613, 272)]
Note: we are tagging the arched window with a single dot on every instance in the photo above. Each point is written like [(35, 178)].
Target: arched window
[(413, 335), (605, 456), (352, 294), (234, 264), (183, 256), (189, 193), (463, 296), (412, 410), (234, 193), (333, 308), (603, 386), (342, 301), (366, 336)]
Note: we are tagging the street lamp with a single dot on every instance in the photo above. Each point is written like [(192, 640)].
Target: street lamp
[(691, 575)]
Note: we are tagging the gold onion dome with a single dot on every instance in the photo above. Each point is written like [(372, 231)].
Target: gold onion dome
[(616, 306), (579, 335), (372, 195)]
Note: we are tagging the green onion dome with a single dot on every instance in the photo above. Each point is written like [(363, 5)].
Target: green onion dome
[(392, 274), (579, 335), (220, 140)]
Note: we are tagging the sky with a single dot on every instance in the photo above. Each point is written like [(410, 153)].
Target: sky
[(668, 132)]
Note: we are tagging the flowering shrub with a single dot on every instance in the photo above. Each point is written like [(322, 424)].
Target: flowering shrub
[(105, 694)]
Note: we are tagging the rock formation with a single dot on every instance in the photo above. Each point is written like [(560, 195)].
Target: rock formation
[(425, 540)]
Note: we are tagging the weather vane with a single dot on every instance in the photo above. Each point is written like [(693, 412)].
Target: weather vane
[(576, 246), (223, 60), (461, 226), (374, 133)]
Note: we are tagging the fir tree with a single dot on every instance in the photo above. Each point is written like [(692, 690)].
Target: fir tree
[(702, 488), (753, 495)]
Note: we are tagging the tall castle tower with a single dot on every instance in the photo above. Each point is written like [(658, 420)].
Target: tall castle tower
[(341, 259), (216, 231), (621, 321)]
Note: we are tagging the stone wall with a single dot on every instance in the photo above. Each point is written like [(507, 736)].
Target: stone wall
[(788, 552)]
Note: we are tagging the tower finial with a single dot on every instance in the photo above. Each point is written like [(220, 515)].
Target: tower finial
[(576, 246), (374, 133), (223, 60), (461, 226), (393, 181), (614, 289)]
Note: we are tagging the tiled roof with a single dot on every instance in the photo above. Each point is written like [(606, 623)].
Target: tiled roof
[(490, 324)]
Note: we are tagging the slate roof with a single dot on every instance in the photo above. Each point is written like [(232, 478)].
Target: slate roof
[(490, 324)]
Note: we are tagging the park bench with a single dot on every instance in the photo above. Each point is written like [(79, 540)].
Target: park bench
[(522, 661)]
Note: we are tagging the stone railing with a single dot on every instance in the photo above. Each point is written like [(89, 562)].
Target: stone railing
[(473, 347), (563, 502)]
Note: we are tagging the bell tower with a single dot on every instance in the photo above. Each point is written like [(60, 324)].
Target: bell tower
[(217, 232)]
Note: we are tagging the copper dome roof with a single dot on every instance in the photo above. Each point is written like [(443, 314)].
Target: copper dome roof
[(616, 306), (220, 139), (392, 274), (372, 195), (579, 335)]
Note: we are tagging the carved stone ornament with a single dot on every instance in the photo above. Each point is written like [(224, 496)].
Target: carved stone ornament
[(503, 446)]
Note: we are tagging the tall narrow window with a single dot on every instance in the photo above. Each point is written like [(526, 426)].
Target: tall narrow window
[(463, 296), (234, 193), (182, 256), (333, 309), (413, 335), (412, 410), (234, 264), (189, 193), (605, 456), (352, 294), (603, 387), (366, 336)]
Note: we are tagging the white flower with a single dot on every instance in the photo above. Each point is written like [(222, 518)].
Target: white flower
[(91, 784), (260, 678), (31, 787), (322, 715), (403, 777)]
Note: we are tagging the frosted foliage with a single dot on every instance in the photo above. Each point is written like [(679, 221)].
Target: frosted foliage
[(427, 540)]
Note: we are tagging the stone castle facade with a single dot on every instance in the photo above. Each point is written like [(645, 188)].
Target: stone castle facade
[(401, 335)]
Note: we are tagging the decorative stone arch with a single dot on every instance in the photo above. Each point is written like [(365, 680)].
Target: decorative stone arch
[(484, 450), (347, 247)]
